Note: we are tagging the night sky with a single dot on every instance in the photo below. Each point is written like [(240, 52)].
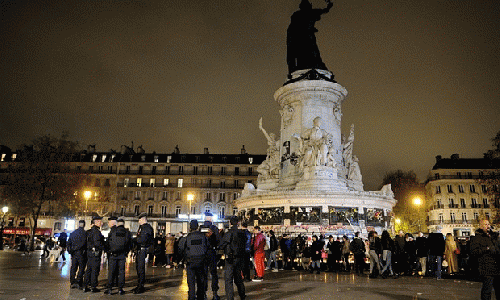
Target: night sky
[(423, 77)]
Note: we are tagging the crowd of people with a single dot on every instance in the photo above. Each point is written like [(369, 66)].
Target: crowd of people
[(251, 253)]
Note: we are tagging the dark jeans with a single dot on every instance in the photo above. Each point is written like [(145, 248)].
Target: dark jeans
[(140, 262), (116, 270), (232, 273), (196, 280), (212, 269), (246, 266), (435, 263), (93, 269), (359, 263), (78, 263), (490, 283)]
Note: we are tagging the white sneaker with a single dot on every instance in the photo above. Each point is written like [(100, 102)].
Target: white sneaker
[(258, 279)]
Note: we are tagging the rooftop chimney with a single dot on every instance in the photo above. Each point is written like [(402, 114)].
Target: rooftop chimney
[(243, 151), (455, 156), (205, 151), (438, 158)]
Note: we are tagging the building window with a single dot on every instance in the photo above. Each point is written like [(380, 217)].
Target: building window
[(193, 210), (165, 195), (152, 182), (100, 168), (143, 157), (163, 211), (97, 182), (235, 211), (150, 210), (167, 170), (487, 215), (450, 188), (126, 182), (103, 158), (138, 195), (459, 175), (460, 188), (127, 169), (110, 169), (153, 170), (139, 182), (464, 216), (250, 160), (236, 171), (223, 170), (476, 216), (222, 212), (94, 157), (136, 209), (181, 170), (57, 225), (222, 197), (169, 158), (452, 217), (177, 210), (156, 158), (484, 189), (250, 171), (179, 182), (195, 170), (209, 170), (485, 203), (438, 189), (469, 174), (208, 196), (165, 182), (91, 169), (141, 168), (122, 211), (474, 203), (222, 184), (462, 203), (472, 188), (179, 195), (236, 183), (208, 207), (452, 203)]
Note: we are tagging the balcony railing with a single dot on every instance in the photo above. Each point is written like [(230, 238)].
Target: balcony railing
[(438, 222), (476, 206), (189, 173), (185, 185), (452, 205)]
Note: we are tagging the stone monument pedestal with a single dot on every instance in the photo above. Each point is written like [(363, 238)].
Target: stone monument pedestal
[(320, 178), (267, 184)]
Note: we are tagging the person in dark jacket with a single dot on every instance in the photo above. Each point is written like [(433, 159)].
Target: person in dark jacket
[(118, 245), (484, 247), (95, 248), (212, 233), (144, 240), (400, 258), (316, 248), (435, 243), (422, 252), (358, 249), (194, 248), (411, 254), (77, 248), (63, 240), (387, 249), (375, 251), (234, 260)]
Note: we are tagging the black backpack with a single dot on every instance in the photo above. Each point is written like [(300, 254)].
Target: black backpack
[(238, 243), (119, 240), (196, 248)]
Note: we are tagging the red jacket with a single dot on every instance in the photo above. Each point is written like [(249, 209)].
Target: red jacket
[(258, 243)]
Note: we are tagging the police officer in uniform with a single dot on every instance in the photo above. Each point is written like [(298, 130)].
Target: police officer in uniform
[(118, 245), (95, 247), (77, 248), (233, 243), (212, 233), (112, 227), (194, 248), (143, 240)]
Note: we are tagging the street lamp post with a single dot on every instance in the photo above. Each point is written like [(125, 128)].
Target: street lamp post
[(5, 209), (190, 198), (417, 201), (87, 195)]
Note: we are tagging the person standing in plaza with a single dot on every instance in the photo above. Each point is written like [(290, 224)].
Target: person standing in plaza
[(233, 244), (77, 248), (484, 246), (399, 258), (63, 240), (346, 252), (273, 247), (375, 249), (212, 233), (450, 254), (436, 245), (422, 252), (387, 249), (144, 240), (169, 250), (358, 249), (248, 252), (316, 247), (195, 249), (95, 247), (118, 244), (258, 244)]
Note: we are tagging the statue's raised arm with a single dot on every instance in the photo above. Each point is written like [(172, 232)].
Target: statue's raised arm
[(302, 50), (270, 140)]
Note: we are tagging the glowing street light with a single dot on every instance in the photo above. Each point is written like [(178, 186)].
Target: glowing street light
[(87, 195), (5, 209), (417, 201), (398, 221), (190, 198)]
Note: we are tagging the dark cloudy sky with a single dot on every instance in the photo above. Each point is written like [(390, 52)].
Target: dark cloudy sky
[(423, 76)]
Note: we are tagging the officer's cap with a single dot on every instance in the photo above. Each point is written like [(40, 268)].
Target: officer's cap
[(120, 221), (208, 214), (96, 217), (193, 225), (112, 218), (81, 222), (143, 215)]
